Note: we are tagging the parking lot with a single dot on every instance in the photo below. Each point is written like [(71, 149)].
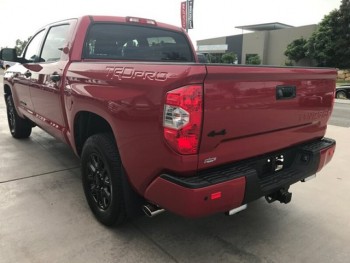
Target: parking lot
[(44, 216)]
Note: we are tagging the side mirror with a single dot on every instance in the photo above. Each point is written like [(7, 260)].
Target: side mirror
[(9, 54)]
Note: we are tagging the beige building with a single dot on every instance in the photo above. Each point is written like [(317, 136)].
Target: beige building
[(269, 41)]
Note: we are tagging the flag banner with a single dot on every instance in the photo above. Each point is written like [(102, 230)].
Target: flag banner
[(183, 15)]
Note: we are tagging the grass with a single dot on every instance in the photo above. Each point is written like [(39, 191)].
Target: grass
[(342, 82)]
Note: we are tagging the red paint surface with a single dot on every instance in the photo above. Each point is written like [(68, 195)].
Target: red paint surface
[(196, 202), (326, 156)]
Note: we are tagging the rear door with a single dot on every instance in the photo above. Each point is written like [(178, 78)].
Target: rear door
[(255, 110)]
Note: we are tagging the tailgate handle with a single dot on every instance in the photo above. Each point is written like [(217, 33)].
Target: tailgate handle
[(285, 92)]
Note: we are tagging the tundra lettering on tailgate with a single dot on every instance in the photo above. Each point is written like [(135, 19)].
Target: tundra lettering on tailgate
[(312, 116)]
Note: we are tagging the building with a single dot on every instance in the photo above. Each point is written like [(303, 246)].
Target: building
[(269, 41)]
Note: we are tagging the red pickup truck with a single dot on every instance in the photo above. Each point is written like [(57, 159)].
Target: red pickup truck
[(154, 128)]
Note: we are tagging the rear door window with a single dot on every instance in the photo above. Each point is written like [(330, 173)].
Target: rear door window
[(54, 43), (138, 43)]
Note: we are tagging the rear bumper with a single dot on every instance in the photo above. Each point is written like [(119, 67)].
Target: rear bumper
[(226, 187)]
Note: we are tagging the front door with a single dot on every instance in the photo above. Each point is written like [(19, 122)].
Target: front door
[(23, 75), (47, 83)]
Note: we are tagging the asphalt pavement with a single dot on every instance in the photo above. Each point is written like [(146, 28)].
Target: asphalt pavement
[(341, 113), (44, 216)]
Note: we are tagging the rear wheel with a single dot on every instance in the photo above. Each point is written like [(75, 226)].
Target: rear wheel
[(341, 95), (20, 128), (102, 179)]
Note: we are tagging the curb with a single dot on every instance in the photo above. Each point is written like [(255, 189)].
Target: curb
[(346, 101)]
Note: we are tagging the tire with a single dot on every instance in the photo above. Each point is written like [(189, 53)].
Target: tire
[(341, 95), (102, 173), (20, 128)]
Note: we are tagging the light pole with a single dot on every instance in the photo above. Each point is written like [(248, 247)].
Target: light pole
[(187, 16)]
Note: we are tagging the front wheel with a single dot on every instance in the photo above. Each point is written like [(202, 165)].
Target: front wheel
[(101, 175), (341, 95), (20, 128)]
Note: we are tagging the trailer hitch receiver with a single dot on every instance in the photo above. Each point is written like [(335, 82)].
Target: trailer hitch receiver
[(281, 195)]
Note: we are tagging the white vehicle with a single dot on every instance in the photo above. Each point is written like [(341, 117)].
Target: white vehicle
[(6, 64)]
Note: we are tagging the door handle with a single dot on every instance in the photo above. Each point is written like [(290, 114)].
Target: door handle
[(55, 77), (285, 92), (28, 74)]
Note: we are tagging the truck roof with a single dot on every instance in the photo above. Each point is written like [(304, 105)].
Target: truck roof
[(124, 19), (120, 19)]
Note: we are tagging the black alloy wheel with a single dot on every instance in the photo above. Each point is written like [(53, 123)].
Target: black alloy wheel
[(99, 181), (11, 114), (102, 173), (20, 128)]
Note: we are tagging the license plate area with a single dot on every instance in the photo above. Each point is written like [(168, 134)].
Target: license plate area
[(274, 163)]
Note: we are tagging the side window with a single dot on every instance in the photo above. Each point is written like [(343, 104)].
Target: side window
[(54, 43), (32, 50)]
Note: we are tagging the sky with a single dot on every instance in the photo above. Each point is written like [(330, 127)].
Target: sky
[(212, 18)]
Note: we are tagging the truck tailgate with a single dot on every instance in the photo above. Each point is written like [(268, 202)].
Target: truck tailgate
[(249, 111)]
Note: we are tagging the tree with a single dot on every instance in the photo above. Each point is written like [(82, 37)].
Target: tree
[(342, 49), (253, 59), (212, 58), (297, 49), (329, 44), (20, 45), (229, 58), (321, 45)]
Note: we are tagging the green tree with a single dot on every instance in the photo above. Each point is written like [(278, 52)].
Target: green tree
[(229, 58), (213, 58), (20, 45), (288, 63), (329, 44), (321, 45), (343, 43), (297, 49), (253, 59)]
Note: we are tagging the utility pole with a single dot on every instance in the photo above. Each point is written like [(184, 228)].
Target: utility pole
[(187, 16)]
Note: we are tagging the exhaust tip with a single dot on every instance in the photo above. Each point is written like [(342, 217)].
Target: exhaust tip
[(151, 210)]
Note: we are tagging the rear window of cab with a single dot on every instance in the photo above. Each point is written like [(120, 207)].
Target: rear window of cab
[(136, 43)]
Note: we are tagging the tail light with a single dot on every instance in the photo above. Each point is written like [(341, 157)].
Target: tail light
[(182, 120)]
